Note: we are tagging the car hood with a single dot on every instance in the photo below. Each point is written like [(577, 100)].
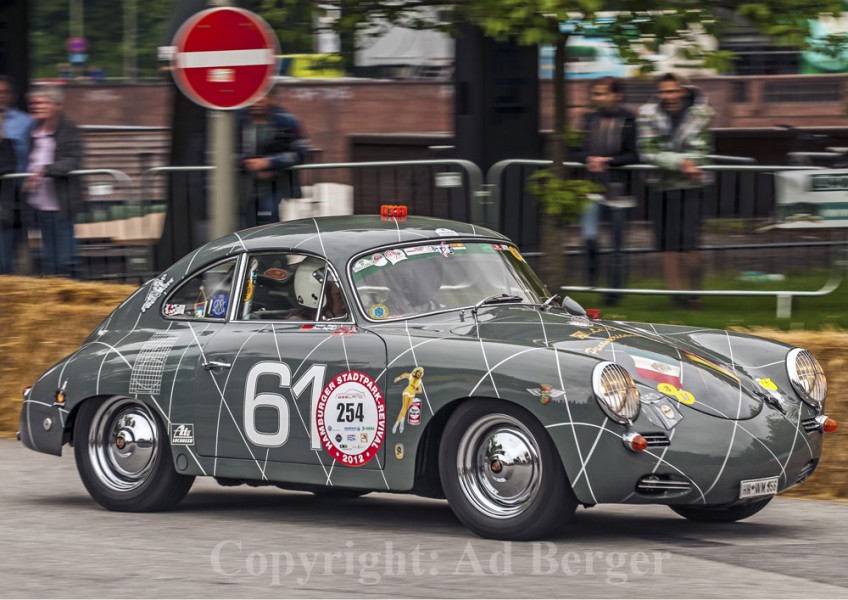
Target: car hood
[(673, 365)]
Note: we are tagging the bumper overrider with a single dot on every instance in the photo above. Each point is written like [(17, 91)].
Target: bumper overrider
[(42, 424)]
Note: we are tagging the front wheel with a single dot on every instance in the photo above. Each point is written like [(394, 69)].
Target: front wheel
[(720, 514), (501, 472), (124, 457)]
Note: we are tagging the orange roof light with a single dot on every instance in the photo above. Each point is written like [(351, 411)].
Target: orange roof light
[(393, 211)]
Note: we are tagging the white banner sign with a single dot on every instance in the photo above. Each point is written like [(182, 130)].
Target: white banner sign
[(814, 198)]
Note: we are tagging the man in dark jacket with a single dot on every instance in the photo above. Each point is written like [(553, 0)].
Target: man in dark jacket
[(271, 140), (54, 196), (609, 141)]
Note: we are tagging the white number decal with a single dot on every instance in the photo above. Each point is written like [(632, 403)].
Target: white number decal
[(252, 401), (315, 376)]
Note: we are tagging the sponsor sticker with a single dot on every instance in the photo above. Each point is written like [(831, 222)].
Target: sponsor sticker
[(660, 411), (410, 400), (173, 310), (445, 231), (378, 311), (394, 256), (219, 305), (352, 399), (380, 260), (546, 392), (682, 396), (182, 434), (768, 384), (157, 287), (654, 366), (416, 250), (362, 264), (200, 310)]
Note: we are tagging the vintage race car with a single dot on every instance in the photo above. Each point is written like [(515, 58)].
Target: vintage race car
[(356, 354)]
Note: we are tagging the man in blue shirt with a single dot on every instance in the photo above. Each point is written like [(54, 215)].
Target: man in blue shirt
[(16, 128)]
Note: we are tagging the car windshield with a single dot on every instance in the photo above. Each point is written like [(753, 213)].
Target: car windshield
[(413, 280)]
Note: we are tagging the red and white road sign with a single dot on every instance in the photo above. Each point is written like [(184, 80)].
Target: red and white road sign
[(225, 58)]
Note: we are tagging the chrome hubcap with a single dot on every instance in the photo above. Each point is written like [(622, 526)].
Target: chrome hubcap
[(499, 468), (123, 443)]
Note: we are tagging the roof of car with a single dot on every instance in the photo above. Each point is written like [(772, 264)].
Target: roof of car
[(338, 238)]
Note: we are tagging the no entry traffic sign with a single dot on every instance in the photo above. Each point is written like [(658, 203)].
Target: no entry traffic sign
[(225, 58)]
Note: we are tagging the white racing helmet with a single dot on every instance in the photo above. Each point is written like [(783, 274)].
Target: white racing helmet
[(309, 281)]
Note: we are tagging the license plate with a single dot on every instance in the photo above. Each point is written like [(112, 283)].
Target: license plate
[(751, 488)]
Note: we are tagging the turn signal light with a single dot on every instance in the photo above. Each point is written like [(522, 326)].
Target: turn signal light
[(634, 441), (593, 313), (393, 211), (60, 396), (26, 392), (829, 425)]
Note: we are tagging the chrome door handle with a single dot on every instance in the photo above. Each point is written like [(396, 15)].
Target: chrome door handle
[(210, 365)]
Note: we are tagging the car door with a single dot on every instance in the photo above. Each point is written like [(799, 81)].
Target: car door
[(288, 381)]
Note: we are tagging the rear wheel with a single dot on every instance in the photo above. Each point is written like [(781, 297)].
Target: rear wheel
[(720, 514), (124, 458), (501, 472)]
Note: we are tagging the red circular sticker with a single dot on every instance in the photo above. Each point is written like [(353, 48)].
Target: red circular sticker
[(352, 418)]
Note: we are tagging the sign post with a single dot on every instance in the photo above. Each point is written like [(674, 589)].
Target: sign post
[(225, 59)]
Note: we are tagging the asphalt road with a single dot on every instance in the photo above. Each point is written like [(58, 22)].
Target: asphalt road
[(263, 542)]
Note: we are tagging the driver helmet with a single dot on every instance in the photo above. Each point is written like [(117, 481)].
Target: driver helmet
[(309, 281)]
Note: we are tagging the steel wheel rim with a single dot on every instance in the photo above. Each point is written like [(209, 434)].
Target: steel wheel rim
[(499, 466), (123, 443)]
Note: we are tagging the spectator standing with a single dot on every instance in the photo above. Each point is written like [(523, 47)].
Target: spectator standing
[(14, 132), (674, 135), (609, 141), (53, 195), (271, 141)]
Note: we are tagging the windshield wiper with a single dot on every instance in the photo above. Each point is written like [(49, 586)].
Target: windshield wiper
[(548, 302)]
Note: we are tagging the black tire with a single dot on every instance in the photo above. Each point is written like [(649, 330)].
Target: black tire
[(498, 498), (720, 514), (123, 456)]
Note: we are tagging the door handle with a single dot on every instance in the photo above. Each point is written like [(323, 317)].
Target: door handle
[(210, 365)]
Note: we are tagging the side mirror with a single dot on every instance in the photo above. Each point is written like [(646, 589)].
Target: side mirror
[(573, 307)]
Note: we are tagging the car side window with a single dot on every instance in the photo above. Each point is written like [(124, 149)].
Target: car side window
[(283, 286), (205, 295)]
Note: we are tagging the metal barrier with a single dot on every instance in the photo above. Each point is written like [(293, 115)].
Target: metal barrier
[(439, 187), (756, 202), (418, 188)]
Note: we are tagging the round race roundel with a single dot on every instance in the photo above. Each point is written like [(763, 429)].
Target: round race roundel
[(352, 418)]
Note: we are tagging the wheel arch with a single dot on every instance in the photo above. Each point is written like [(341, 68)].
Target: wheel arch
[(426, 480)]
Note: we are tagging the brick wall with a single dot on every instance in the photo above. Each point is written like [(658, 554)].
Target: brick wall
[(333, 110)]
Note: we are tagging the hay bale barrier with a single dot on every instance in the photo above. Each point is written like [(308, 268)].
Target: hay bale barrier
[(46, 319)]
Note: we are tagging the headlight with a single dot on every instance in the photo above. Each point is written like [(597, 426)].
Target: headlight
[(807, 377), (616, 392)]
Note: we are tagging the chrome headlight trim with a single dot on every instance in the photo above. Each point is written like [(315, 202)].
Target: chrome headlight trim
[(807, 377), (616, 392)]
